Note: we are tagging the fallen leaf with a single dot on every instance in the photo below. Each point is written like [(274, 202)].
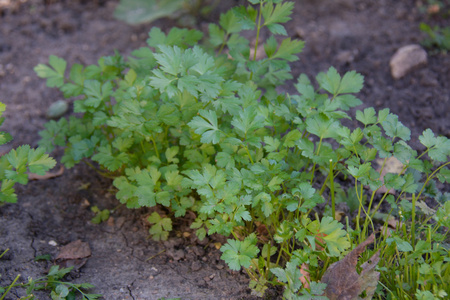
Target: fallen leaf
[(74, 255), (305, 279), (47, 175), (318, 238), (110, 221), (344, 283), (262, 232), (338, 214), (74, 250)]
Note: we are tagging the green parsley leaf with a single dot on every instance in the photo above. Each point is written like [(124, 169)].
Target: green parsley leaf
[(352, 82), (54, 73), (394, 128), (110, 161), (206, 124), (230, 22), (180, 37), (39, 162), (275, 15), (287, 50), (239, 254), (322, 126), (161, 228), (247, 121), (367, 117), (334, 236)]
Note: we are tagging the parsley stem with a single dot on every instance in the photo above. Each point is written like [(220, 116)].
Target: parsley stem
[(379, 203), (366, 223), (11, 285), (223, 45), (103, 174), (4, 252), (154, 145), (333, 210), (413, 220), (248, 153), (360, 204), (430, 177), (258, 29)]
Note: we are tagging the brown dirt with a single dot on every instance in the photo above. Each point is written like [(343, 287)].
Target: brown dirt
[(348, 34)]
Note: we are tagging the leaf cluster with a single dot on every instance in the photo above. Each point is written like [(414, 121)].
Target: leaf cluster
[(53, 282), (17, 163), (194, 122), (437, 37)]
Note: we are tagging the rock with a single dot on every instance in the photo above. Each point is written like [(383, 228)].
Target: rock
[(346, 56), (57, 109), (301, 33), (406, 59)]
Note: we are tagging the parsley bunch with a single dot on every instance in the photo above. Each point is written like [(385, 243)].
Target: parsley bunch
[(195, 122)]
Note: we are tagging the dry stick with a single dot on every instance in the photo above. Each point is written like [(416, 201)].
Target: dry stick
[(153, 256)]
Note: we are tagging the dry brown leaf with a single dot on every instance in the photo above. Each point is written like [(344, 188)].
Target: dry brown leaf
[(344, 283), (338, 214), (47, 175), (74, 250), (318, 238), (305, 279), (262, 232), (73, 254)]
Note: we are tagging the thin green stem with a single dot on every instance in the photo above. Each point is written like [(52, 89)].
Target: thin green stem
[(155, 146), (413, 221), (249, 155), (103, 174), (366, 222), (314, 165), (431, 177), (258, 29), (267, 261), (379, 204), (11, 285), (360, 204), (4, 252), (223, 45), (330, 175)]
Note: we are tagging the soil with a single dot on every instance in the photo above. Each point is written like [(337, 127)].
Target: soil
[(125, 264)]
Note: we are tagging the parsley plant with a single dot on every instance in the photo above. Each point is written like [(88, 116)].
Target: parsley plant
[(194, 122)]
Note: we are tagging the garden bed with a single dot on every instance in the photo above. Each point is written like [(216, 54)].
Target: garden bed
[(124, 262)]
